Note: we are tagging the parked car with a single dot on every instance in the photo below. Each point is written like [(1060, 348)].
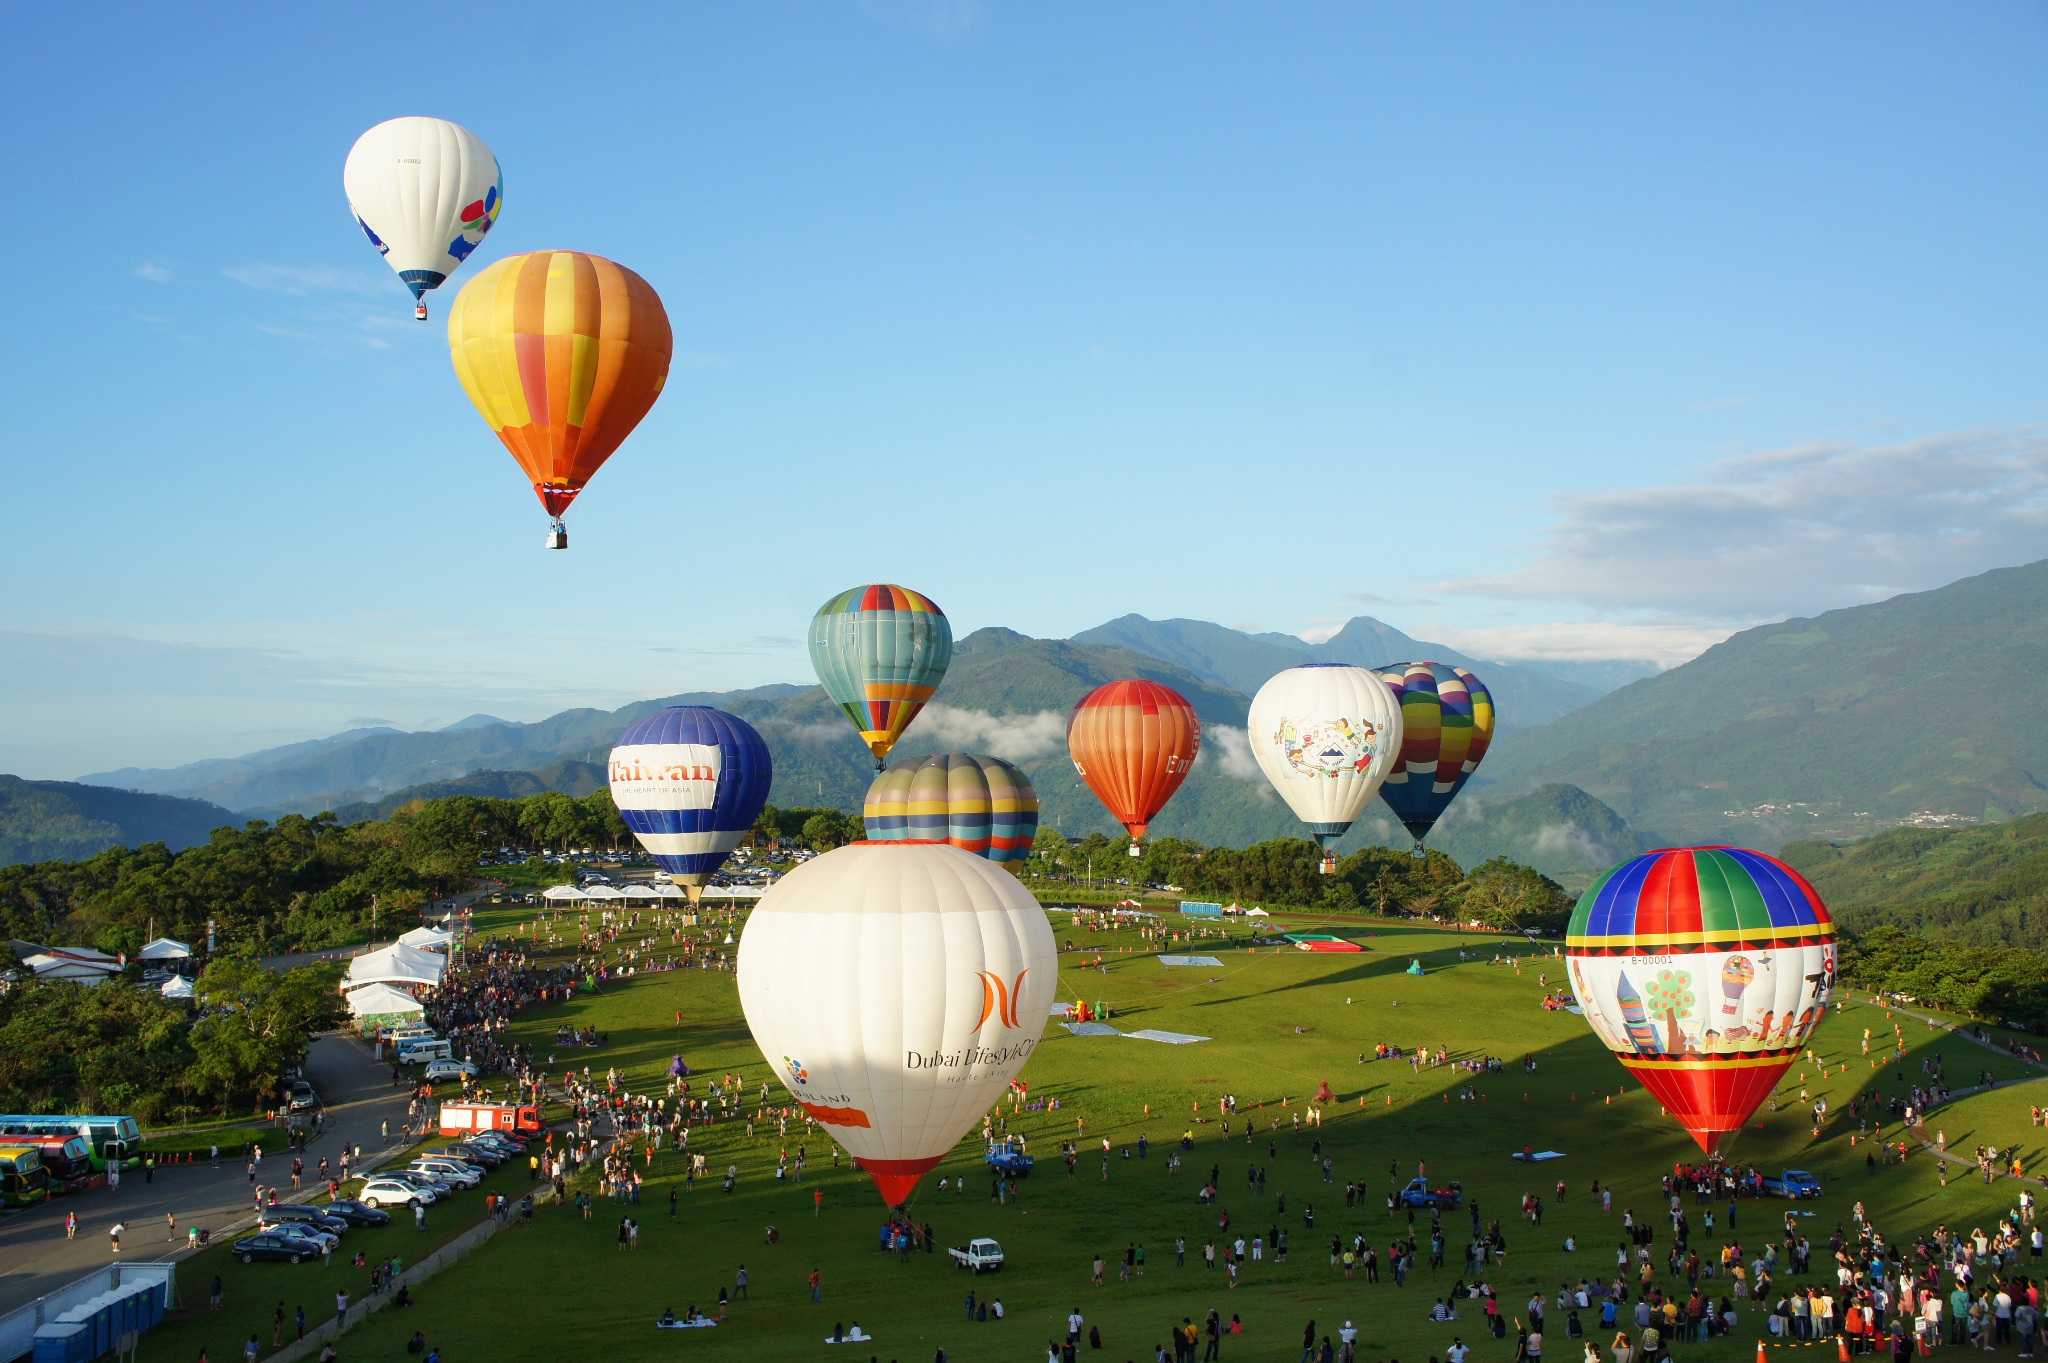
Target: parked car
[(1794, 1183), (457, 1070), (355, 1213), (454, 1173), (431, 1186), (980, 1255), (385, 1191), (300, 1214), (318, 1241), (472, 1153), (302, 1096), (508, 1142), (290, 1249)]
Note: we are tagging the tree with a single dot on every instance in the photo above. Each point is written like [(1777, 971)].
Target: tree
[(1514, 898), (825, 829)]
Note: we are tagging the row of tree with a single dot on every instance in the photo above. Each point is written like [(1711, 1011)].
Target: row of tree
[(2003, 984)]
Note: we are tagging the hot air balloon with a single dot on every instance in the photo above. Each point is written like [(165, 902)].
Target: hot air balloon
[(881, 651), (1326, 735), (562, 353), (897, 988), (1704, 969), (1133, 742), (1447, 722), (690, 781), (982, 805), (424, 191)]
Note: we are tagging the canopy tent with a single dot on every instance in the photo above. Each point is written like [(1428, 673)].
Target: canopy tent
[(602, 892), (639, 891), (177, 987), (1256, 913), (163, 949), (396, 965), (667, 891), (562, 892), (380, 1005), (426, 938)]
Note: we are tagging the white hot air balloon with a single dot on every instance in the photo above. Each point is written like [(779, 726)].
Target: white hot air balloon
[(424, 191), (1326, 735), (897, 988)]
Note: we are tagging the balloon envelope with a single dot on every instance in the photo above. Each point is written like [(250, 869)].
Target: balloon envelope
[(1447, 720), (1326, 735), (563, 354), (690, 781), (1705, 970), (1133, 742), (897, 988), (425, 191), (881, 651), (979, 804)]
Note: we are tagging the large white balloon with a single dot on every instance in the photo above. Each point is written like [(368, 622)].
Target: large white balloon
[(1326, 735), (897, 988), (424, 191)]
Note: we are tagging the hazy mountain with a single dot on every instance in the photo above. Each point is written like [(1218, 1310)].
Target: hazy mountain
[(65, 821), (1985, 886), (567, 775), (1844, 724), (1526, 695)]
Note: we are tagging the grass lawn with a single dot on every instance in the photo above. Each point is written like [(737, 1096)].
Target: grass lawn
[(1279, 1022)]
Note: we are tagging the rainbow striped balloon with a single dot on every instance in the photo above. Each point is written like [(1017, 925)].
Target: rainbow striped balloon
[(881, 651), (1447, 720), (979, 804)]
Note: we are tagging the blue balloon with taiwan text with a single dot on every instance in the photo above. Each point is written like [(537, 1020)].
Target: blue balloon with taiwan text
[(690, 781)]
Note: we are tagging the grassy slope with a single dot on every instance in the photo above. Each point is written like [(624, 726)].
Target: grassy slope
[(1983, 886), (562, 1289)]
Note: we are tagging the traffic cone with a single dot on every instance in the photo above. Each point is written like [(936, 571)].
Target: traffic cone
[(1842, 1349), (1760, 1358)]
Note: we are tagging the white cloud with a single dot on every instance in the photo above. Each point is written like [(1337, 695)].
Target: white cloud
[(1794, 531), (1230, 748), (1015, 738), (1666, 643), (154, 273), (1568, 839), (300, 281)]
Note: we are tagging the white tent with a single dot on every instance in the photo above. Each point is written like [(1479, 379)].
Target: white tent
[(561, 892), (376, 1000), (602, 892), (427, 939), (1257, 913), (177, 987), (639, 891), (163, 949), (397, 965), (668, 891)]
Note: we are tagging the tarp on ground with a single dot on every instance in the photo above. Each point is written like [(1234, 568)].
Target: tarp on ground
[(1170, 1038), (163, 949), (1091, 1029), (1189, 960), (382, 1000)]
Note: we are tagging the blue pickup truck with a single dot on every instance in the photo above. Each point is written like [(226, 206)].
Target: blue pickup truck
[(1793, 1183), (1008, 1157), (1418, 1193)]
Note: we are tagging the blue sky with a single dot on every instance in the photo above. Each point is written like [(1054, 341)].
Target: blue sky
[(1560, 331)]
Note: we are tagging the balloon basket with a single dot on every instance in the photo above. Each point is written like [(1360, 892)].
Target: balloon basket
[(1329, 867), (558, 536), (419, 312), (1136, 850)]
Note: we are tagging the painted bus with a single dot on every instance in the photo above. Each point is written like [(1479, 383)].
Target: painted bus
[(69, 1162), (23, 1180), (115, 1142)]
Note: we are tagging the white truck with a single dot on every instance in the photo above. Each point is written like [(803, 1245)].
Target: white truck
[(981, 1255)]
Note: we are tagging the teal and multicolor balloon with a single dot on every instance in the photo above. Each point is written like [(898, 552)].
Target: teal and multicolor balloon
[(1447, 719), (881, 651), (980, 804)]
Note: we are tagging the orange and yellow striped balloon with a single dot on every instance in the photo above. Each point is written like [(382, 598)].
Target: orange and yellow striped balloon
[(562, 353)]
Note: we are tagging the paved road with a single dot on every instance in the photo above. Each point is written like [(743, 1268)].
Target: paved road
[(35, 1258)]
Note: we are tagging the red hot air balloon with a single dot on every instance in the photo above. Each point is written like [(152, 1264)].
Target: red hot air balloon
[(1133, 743), (1705, 970)]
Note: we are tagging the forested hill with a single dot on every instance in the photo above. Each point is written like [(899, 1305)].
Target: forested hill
[(1832, 727), (1985, 886), (51, 820)]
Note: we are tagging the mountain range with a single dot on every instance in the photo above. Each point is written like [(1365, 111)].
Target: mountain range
[(1918, 709), (64, 820)]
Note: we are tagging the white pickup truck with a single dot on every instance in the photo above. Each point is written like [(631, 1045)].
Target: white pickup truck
[(979, 1256)]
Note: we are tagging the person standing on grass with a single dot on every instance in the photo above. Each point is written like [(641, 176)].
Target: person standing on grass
[(817, 1287)]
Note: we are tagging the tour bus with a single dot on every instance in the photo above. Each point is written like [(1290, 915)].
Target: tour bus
[(68, 1159), (23, 1180), (116, 1141)]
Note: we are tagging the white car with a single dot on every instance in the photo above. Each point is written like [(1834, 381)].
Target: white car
[(455, 1173), (437, 1070), (389, 1192)]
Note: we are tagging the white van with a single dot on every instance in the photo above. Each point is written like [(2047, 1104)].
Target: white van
[(405, 1034), (422, 1049)]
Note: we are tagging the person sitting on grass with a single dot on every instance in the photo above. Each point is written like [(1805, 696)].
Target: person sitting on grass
[(668, 1317)]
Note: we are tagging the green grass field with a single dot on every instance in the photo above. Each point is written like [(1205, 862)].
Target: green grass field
[(1280, 1022)]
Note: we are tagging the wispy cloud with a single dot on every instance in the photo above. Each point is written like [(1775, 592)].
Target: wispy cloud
[(1015, 738), (1793, 531), (300, 281), (368, 722), (154, 273), (1664, 642), (1230, 749)]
